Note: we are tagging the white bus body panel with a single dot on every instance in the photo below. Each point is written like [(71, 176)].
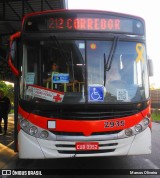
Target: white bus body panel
[(35, 148), (141, 143), (28, 146)]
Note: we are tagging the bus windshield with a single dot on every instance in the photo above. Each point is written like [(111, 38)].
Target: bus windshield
[(74, 71)]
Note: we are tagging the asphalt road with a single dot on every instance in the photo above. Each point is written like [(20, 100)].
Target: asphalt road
[(88, 167)]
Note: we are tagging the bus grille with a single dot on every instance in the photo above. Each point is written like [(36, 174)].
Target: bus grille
[(86, 152), (79, 114), (81, 134), (70, 149)]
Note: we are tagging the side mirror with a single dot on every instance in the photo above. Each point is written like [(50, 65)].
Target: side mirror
[(150, 67)]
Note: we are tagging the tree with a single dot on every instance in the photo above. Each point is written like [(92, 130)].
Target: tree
[(8, 90)]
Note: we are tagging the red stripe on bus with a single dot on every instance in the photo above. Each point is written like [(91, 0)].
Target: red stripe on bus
[(87, 127)]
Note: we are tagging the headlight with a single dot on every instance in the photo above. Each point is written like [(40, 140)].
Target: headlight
[(24, 123), (146, 121), (129, 132), (138, 128), (33, 130), (134, 130), (44, 134)]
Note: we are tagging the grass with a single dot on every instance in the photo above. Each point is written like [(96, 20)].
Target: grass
[(156, 116), (11, 111)]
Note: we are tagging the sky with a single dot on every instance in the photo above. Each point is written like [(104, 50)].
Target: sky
[(147, 9)]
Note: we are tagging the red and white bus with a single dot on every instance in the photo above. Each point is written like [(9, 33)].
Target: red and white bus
[(98, 102)]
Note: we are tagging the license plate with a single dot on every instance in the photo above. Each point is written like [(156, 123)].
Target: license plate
[(87, 146)]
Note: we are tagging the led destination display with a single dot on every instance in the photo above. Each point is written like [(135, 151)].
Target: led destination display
[(90, 22)]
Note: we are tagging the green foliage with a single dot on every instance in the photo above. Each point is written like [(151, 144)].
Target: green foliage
[(156, 116), (8, 90)]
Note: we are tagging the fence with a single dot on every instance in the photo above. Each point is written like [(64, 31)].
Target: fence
[(155, 98)]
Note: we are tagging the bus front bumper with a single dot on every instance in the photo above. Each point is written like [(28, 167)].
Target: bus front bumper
[(36, 148)]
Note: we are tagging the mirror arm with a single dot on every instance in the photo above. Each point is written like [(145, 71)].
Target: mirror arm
[(14, 70), (12, 37)]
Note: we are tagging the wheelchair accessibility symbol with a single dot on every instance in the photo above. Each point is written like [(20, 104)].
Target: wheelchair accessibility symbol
[(96, 93)]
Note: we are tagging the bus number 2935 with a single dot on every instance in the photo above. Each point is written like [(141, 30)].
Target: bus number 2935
[(111, 124)]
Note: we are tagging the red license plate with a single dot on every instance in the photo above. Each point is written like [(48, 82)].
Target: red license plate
[(87, 146)]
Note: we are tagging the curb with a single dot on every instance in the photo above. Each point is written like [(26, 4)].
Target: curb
[(156, 122)]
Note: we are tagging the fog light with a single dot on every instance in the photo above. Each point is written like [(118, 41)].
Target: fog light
[(129, 132), (138, 128), (33, 130), (146, 121), (44, 134)]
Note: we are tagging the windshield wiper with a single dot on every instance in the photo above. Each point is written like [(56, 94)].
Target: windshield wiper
[(108, 62), (104, 69)]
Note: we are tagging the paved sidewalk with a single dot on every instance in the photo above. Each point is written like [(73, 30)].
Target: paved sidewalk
[(7, 143), (9, 137)]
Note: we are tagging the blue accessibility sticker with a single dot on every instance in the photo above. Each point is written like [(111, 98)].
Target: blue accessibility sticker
[(96, 93)]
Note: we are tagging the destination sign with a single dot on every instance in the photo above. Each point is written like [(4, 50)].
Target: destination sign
[(90, 22)]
